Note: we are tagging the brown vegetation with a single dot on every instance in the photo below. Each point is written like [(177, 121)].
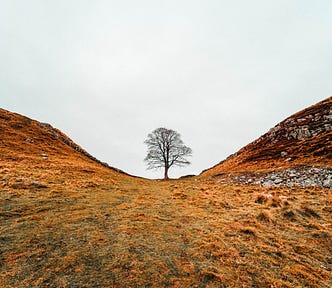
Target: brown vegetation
[(303, 139), (68, 221)]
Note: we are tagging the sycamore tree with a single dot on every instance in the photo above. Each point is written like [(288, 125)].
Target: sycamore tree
[(166, 149)]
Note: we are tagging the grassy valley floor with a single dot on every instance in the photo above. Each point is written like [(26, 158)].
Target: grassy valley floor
[(91, 228)]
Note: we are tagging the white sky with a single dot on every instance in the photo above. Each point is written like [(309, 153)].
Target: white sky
[(107, 73)]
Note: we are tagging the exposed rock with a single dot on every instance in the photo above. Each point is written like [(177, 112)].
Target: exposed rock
[(268, 183), (283, 153), (296, 176), (44, 156), (302, 128), (278, 181), (327, 183), (303, 139)]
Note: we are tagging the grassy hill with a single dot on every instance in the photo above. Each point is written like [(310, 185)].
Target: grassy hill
[(67, 220), (304, 138)]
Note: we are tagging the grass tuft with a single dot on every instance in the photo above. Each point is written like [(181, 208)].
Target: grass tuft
[(264, 216)]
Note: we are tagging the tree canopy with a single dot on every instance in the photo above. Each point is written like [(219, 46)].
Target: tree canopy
[(166, 149)]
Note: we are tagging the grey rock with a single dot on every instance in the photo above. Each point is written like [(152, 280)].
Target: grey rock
[(278, 181), (283, 153), (300, 176), (44, 156), (327, 183), (268, 183)]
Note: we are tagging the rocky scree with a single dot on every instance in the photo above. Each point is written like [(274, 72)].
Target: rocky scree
[(291, 177)]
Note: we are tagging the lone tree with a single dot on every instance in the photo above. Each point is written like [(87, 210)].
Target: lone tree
[(166, 149)]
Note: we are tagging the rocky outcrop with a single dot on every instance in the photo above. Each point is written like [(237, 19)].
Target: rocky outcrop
[(306, 133), (303, 139), (296, 176), (302, 128), (296, 152)]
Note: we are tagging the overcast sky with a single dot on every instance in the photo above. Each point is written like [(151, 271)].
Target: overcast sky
[(107, 73)]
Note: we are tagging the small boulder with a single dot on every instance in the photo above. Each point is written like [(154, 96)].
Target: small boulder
[(283, 153), (327, 183)]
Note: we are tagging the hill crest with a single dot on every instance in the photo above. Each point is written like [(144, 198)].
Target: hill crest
[(39, 151), (301, 140)]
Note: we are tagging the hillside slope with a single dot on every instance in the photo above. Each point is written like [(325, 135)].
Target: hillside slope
[(37, 150), (22, 138), (302, 140), (68, 221)]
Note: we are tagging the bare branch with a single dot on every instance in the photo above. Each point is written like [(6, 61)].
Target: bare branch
[(166, 149)]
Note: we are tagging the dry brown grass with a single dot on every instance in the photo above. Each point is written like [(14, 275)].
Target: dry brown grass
[(140, 233), (264, 154), (69, 222)]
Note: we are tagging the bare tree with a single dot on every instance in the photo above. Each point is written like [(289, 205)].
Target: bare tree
[(166, 149)]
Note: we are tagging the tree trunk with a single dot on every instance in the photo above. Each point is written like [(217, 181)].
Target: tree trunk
[(166, 173)]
